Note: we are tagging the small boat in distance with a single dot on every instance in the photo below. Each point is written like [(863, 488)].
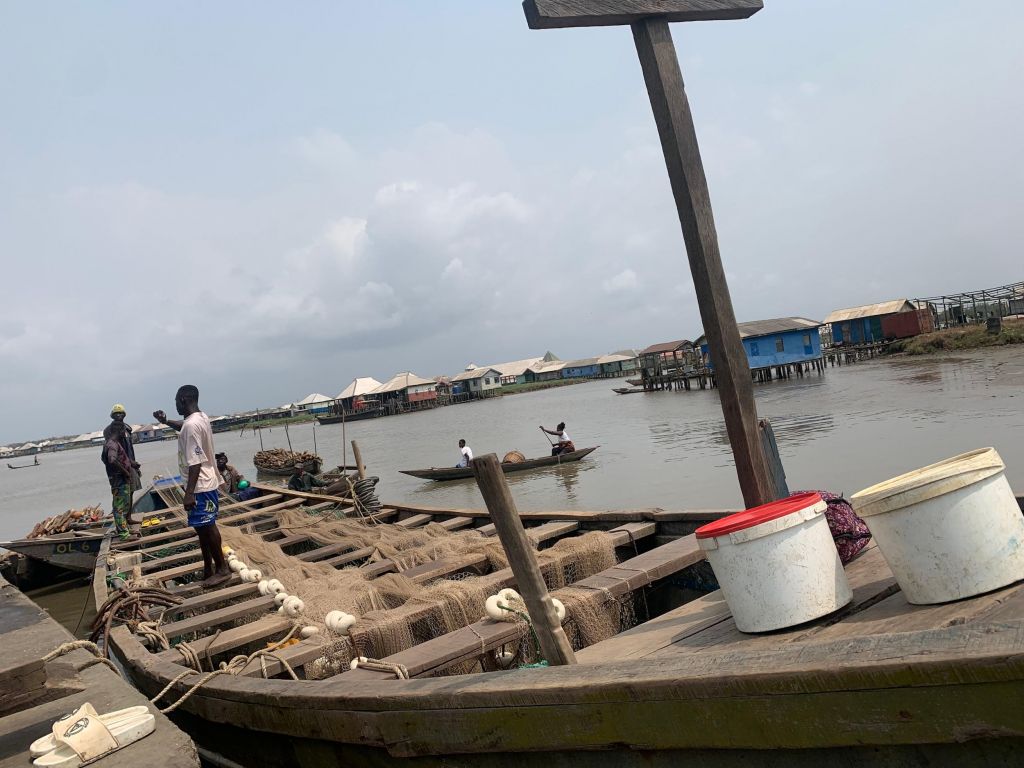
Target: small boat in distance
[(459, 473), (627, 390), (24, 466), (337, 418)]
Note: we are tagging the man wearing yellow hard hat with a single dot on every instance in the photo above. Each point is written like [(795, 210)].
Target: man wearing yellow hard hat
[(122, 468)]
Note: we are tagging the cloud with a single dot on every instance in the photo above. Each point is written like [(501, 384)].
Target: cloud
[(324, 150), (624, 282)]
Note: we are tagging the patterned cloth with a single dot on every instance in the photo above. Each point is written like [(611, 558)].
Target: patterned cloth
[(121, 491), (204, 513), (849, 532)]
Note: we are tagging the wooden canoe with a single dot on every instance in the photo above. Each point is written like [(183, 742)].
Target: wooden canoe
[(69, 551), (880, 682), (627, 390), (369, 413), (461, 473)]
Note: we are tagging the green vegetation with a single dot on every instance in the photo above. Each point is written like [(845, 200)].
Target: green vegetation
[(531, 386), (965, 337)]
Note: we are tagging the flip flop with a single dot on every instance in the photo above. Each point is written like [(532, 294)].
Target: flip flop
[(84, 738), (48, 743)]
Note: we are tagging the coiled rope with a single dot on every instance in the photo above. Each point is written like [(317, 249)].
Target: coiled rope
[(130, 606), (233, 667), (379, 665)]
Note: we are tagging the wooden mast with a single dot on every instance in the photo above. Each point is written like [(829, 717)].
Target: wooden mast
[(649, 21)]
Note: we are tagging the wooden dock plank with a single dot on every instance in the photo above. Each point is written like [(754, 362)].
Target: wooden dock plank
[(264, 627), (707, 621)]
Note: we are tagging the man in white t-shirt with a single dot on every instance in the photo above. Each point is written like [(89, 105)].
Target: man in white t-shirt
[(198, 466), (467, 454)]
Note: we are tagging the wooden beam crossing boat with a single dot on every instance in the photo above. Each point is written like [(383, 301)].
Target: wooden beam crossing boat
[(461, 473), (880, 680)]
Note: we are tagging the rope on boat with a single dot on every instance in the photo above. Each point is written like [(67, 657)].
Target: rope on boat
[(364, 495), (379, 665), (78, 645), (130, 606), (233, 667)]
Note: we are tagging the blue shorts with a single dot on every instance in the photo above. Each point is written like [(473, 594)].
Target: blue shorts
[(204, 513)]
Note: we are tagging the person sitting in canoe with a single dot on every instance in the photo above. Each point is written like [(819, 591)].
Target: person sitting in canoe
[(301, 480), (467, 455), (564, 444), (232, 481)]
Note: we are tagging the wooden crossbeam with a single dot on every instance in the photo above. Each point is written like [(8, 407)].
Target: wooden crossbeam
[(558, 14)]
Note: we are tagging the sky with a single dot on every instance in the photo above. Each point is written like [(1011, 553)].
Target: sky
[(269, 199)]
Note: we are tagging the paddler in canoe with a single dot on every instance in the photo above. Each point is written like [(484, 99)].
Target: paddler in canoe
[(564, 444)]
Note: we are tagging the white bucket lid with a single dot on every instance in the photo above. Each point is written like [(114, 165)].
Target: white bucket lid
[(928, 482)]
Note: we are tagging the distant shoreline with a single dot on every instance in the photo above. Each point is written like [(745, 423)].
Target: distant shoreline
[(960, 339)]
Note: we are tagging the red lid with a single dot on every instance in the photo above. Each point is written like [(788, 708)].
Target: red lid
[(748, 518)]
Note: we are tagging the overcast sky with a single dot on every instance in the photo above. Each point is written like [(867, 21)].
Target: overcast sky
[(268, 199)]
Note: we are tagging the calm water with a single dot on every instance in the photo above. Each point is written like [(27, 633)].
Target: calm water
[(842, 431)]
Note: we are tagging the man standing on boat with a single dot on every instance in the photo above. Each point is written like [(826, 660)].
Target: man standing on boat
[(117, 415), (564, 444), (119, 473), (199, 470), (467, 454)]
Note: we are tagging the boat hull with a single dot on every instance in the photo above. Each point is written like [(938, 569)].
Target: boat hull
[(71, 553), (312, 467), (441, 474), (348, 417)]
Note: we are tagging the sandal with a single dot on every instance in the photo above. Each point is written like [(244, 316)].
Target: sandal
[(85, 736), (48, 743)]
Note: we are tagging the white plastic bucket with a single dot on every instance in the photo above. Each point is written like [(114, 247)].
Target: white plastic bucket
[(949, 530), (776, 564)]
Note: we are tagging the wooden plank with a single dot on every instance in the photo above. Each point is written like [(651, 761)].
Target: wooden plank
[(205, 621), (664, 79), (345, 501), (414, 521), (208, 598), (188, 533), (230, 639), (559, 14), (707, 621)]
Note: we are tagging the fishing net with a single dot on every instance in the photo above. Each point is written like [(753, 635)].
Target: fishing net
[(394, 612)]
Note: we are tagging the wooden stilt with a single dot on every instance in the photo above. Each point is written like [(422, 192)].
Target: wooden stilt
[(522, 559)]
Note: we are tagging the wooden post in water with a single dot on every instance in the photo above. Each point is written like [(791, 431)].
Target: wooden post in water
[(780, 489), (649, 21), (522, 559)]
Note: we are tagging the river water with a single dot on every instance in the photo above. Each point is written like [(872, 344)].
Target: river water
[(841, 431)]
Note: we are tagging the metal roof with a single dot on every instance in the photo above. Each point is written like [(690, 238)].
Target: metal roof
[(667, 346), (401, 381), (584, 363), (315, 397), (361, 386), (514, 368), (870, 310), (776, 325), (616, 357), (476, 373)]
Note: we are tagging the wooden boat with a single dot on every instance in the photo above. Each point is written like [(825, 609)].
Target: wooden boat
[(23, 466), (75, 551), (368, 413), (313, 467), (878, 682), (635, 382), (460, 473), (627, 390)]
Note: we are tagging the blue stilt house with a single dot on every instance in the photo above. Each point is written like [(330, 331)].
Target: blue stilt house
[(770, 343)]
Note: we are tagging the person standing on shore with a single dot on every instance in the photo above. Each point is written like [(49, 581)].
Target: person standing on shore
[(199, 470), (467, 454), (119, 473), (564, 444)]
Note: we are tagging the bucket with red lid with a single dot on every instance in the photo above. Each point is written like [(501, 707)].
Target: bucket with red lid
[(776, 563)]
